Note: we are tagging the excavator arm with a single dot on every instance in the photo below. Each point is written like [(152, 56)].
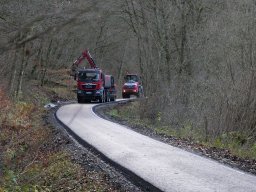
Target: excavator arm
[(85, 55), (89, 58)]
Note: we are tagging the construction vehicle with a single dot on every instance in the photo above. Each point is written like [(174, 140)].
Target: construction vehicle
[(92, 83), (132, 86)]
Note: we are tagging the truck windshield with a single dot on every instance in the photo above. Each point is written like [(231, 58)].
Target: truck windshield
[(88, 76), (131, 78)]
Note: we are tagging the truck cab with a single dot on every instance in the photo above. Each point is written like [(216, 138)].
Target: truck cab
[(132, 86), (93, 85), (90, 85)]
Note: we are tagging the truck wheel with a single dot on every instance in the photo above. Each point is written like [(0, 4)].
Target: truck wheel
[(79, 99), (102, 98), (107, 98), (139, 94), (112, 99)]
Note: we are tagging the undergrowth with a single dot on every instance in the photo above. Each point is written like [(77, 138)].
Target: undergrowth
[(30, 160)]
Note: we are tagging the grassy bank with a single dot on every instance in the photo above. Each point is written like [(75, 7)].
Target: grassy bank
[(32, 157)]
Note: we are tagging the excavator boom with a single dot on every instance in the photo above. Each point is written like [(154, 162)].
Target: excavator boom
[(85, 55)]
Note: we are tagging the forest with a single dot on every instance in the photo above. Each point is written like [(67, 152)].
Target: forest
[(196, 58)]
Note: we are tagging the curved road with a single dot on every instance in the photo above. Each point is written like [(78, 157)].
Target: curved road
[(166, 167)]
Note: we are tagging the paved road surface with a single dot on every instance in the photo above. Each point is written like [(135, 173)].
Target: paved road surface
[(166, 167)]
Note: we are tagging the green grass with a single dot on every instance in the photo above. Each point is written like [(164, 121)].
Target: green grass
[(113, 113)]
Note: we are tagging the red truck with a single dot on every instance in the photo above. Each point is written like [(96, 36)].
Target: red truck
[(132, 86), (92, 83)]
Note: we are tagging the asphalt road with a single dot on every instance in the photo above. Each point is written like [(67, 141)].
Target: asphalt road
[(167, 168)]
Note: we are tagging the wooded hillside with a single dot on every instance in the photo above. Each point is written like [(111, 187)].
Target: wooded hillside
[(196, 57)]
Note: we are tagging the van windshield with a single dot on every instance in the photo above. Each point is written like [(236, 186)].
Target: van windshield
[(88, 76)]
